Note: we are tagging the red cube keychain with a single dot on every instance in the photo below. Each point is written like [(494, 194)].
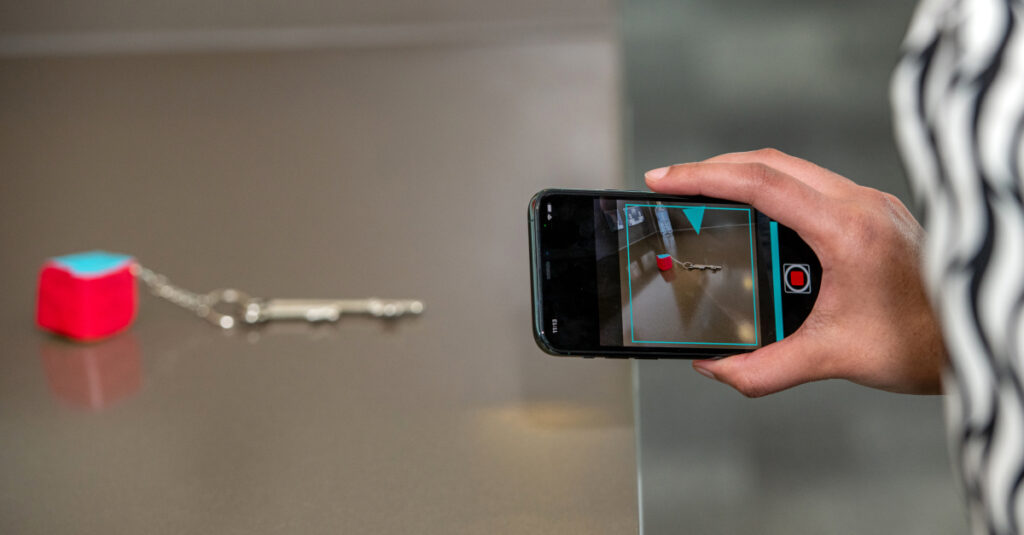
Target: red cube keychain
[(664, 262), (92, 295), (87, 296)]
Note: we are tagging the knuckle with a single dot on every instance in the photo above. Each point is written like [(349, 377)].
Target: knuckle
[(761, 176), (768, 153), (896, 206), (749, 386), (881, 200), (752, 392), (760, 181), (860, 228), (891, 200), (676, 169), (871, 224)]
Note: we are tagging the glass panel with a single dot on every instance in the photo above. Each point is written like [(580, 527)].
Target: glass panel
[(809, 77)]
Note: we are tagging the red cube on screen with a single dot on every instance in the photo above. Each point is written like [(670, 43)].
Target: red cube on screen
[(86, 296), (664, 262)]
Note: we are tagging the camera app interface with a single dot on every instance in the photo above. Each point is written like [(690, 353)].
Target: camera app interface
[(676, 274)]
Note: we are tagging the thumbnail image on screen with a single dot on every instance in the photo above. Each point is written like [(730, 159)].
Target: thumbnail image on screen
[(686, 274)]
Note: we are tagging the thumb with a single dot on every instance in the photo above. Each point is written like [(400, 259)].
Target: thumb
[(775, 367)]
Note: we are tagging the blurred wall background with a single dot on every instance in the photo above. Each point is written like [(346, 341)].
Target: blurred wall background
[(809, 77)]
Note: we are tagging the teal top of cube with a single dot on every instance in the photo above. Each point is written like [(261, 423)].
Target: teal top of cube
[(91, 263), (664, 256)]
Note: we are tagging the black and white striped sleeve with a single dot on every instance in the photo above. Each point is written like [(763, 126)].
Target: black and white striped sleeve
[(958, 99)]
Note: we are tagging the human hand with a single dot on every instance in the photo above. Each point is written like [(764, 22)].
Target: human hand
[(872, 323)]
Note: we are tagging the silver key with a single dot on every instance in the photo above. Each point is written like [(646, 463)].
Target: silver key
[(314, 310), (708, 267), (227, 308)]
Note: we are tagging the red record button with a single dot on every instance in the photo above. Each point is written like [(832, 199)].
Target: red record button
[(797, 278)]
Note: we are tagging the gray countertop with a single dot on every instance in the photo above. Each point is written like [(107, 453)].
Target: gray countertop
[(395, 172)]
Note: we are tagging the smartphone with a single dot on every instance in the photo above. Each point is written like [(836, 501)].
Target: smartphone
[(635, 274)]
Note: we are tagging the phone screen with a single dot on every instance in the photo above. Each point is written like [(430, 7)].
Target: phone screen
[(681, 274), (630, 273)]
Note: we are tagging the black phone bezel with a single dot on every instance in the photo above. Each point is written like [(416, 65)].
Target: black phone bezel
[(797, 306)]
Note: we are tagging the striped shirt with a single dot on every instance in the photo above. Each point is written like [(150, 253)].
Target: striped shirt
[(958, 98)]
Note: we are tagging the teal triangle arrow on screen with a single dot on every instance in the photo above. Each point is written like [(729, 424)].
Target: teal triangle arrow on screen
[(695, 215)]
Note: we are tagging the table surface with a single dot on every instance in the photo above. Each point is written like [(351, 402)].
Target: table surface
[(393, 172)]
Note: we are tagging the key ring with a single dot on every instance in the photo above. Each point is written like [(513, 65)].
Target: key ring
[(240, 307)]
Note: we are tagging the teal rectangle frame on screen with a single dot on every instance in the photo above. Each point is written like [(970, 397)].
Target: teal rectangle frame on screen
[(753, 272)]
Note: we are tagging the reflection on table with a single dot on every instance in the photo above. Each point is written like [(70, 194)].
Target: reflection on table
[(92, 376)]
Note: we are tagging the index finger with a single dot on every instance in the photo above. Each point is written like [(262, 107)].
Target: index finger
[(778, 195), (819, 178)]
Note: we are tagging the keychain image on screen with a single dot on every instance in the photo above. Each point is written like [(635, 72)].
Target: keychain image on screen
[(92, 295)]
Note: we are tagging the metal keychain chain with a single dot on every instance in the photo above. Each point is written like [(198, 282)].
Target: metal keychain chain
[(703, 267), (227, 308)]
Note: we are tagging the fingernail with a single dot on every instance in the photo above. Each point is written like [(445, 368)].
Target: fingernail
[(656, 174), (705, 372)]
